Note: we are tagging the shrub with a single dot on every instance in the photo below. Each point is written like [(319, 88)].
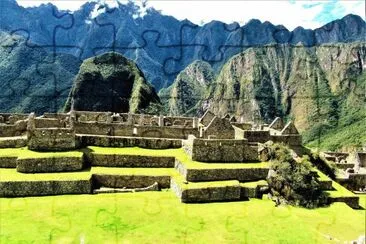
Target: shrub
[(293, 179)]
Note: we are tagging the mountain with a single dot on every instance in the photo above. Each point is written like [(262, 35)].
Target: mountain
[(317, 87), (32, 79), (161, 45), (111, 82), (185, 95)]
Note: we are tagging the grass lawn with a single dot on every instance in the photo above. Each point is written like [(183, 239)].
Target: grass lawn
[(159, 217)]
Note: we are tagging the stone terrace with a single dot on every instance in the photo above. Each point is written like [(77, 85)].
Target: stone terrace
[(201, 159)]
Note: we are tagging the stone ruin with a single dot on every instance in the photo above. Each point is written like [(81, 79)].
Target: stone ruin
[(351, 169), (66, 131), (209, 140)]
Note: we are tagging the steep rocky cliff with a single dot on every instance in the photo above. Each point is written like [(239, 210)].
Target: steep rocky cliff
[(309, 85), (111, 82), (185, 95)]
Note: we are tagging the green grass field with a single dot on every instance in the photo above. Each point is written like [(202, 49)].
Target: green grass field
[(159, 217)]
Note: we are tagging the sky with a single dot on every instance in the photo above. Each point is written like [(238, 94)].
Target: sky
[(290, 13)]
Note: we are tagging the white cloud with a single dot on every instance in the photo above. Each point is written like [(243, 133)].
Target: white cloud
[(288, 13)]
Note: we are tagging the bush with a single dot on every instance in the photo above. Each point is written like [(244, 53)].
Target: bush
[(293, 180)]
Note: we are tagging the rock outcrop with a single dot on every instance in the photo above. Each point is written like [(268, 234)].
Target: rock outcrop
[(111, 82), (186, 95), (307, 84)]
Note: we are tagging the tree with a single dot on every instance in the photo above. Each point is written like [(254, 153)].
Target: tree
[(293, 179)]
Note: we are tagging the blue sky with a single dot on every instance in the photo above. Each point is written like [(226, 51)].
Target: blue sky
[(309, 14)]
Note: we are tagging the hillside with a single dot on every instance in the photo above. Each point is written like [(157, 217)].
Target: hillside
[(185, 95), (32, 80), (110, 82), (316, 87)]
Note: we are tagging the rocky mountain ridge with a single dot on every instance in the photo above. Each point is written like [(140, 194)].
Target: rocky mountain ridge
[(162, 46)]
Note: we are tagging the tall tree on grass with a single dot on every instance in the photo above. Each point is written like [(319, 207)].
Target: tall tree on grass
[(293, 179)]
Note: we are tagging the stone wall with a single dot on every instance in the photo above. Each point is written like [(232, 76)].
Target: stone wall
[(47, 165), (13, 142), (17, 129), (110, 129), (208, 194), (291, 140), (242, 175), (113, 129), (220, 129), (60, 116), (44, 188), (354, 181), (352, 202), (8, 118), (130, 161), (166, 132), (129, 181), (261, 136), (55, 139), (49, 123), (213, 150), (362, 158), (108, 141), (242, 126), (8, 162)]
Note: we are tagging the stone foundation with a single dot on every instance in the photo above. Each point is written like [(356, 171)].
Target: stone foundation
[(44, 188), (8, 162), (206, 194), (54, 139), (115, 141), (226, 151), (44, 165), (129, 181), (13, 142), (130, 161), (240, 174)]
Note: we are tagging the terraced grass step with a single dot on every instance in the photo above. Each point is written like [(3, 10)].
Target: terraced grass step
[(339, 193), (45, 162), (13, 142), (216, 191), (8, 157), (15, 184), (254, 189), (192, 170), (125, 160)]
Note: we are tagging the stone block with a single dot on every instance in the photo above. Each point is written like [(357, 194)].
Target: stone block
[(49, 164), (130, 161), (44, 188), (8, 162)]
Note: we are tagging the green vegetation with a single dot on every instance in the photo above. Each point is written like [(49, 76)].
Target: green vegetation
[(293, 179), (152, 217), (111, 82), (31, 79), (349, 130), (11, 152)]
